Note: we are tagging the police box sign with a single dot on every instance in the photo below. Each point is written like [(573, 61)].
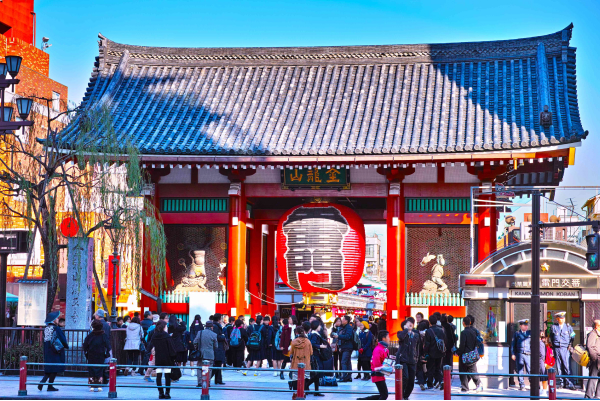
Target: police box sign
[(13, 241), (551, 294)]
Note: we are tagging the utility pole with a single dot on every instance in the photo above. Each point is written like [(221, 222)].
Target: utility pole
[(535, 295)]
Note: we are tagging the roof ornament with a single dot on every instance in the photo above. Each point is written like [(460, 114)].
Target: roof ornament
[(546, 117)]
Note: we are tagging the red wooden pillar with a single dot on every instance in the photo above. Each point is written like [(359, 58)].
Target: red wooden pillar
[(487, 215), (396, 259), (147, 269), (396, 308), (487, 226), (236, 269), (271, 276), (256, 268)]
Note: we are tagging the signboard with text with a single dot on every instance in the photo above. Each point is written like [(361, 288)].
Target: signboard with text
[(314, 178), (548, 294)]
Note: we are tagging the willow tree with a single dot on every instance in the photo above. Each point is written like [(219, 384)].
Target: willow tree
[(86, 171)]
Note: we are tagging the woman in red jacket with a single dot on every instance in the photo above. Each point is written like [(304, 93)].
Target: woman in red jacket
[(380, 354)]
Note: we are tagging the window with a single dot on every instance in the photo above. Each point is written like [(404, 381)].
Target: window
[(370, 251), (55, 101)]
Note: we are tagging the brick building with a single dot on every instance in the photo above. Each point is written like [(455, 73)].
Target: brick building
[(18, 37)]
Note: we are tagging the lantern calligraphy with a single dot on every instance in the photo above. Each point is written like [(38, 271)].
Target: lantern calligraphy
[(320, 248)]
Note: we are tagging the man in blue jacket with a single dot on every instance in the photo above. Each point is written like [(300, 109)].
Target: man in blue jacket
[(409, 342), (561, 337), (345, 336), (520, 349)]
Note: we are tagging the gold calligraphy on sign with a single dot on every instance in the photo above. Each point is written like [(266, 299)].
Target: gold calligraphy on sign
[(314, 178)]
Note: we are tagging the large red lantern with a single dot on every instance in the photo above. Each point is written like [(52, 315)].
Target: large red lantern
[(320, 248)]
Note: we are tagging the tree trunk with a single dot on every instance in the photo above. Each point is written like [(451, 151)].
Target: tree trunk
[(49, 239)]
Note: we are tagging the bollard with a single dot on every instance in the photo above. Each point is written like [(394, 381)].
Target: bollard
[(205, 372), (447, 382), (112, 378), (300, 394), (551, 384), (398, 381), (23, 376)]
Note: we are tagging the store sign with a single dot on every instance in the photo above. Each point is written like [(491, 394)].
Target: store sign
[(551, 294), (14, 241), (33, 297), (556, 282), (324, 178), (320, 248)]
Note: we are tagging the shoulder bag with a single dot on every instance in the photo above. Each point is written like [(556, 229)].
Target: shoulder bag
[(57, 345), (196, 354)]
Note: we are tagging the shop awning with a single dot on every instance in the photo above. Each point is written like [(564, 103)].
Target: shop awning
[(11, 298)]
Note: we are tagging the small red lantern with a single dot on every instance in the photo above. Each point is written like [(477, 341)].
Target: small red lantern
[(320, 248), (69, 227)]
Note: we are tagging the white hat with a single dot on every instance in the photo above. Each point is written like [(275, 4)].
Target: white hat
[(524, 321)]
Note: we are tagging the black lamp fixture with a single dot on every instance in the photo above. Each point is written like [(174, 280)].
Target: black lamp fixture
[(24, 107), (3, 69), (8, 112), (13, 64)]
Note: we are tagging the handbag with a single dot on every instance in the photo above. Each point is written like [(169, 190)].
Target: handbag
[(471, 357), (57, 345), (387, 368), (142, 346), (196, 354)]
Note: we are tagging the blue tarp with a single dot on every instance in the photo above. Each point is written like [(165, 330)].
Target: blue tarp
[(11, 298)]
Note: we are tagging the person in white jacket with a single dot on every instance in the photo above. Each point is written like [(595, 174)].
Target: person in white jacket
[(135, 336)]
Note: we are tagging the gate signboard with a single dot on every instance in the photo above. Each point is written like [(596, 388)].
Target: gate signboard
[(315, 178)]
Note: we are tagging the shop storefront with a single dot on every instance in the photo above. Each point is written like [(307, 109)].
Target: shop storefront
[(498, 291)]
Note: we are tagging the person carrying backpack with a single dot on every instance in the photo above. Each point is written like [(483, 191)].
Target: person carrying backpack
[(237, 343), (278, 356), (435, 348), (346, 344), (255, 346), (468, 355), (365, 350)]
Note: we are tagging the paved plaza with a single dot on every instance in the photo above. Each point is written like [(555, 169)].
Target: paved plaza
[(238, 387)]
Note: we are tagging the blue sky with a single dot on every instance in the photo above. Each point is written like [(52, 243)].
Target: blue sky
[(73, 25)]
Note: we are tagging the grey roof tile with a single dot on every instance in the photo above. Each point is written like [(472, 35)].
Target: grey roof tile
[(346, 100)]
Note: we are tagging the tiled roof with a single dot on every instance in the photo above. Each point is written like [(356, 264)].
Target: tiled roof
[(340, 100)]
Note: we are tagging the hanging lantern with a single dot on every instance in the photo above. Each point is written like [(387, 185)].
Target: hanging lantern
[(320, 248)]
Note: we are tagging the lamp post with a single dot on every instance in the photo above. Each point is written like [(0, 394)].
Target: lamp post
[(11, 66), (113, 229)]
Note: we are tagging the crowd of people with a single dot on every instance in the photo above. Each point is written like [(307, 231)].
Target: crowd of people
[(271, 342)]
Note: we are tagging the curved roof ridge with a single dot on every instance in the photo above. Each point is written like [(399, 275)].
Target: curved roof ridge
[(367, 51)]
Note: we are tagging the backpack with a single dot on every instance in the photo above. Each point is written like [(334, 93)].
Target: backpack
[(235, 337), (355, 341), (254, 340), (278, 337), (480, 347), (441, 344)]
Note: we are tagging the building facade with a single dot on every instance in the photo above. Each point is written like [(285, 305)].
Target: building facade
[(18, 37), (235, 137)]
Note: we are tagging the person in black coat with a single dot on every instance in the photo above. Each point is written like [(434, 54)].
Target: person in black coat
[(51, 333), (220, 352), (435, 355), (164, 355), (195, 328), (421, 365), (96, 347), (409, 342), (176, 328), (468, 343), (237, 351), (448, 359)]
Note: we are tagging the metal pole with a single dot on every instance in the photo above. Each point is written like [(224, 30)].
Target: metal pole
[(398, 382), (112, 378), (447, 382), (3, 268), (23, 377), (535, 295), (113, 308)]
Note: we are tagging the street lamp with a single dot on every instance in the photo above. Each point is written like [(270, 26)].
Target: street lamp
[(114, 229), (11, 66)]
